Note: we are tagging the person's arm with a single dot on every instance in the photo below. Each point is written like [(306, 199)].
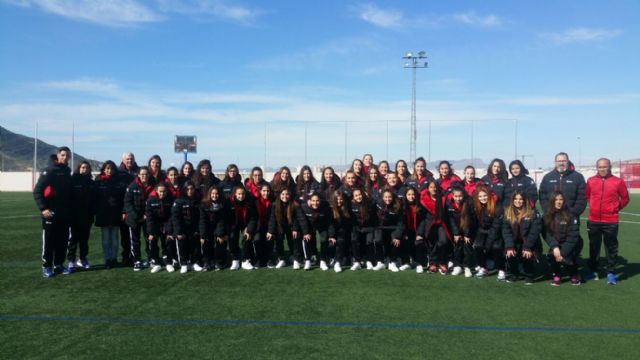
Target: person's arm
[(176, 218), (508, 235), (532, 191), (623, 194), (221, 227), (252, 219), (399, 227), (573, 237), (531, 242), (544, 194), (581, 202), (203, 223), (38, 193)]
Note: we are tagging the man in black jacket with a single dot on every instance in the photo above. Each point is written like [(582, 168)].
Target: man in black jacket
[(564, 178), (52, 194)]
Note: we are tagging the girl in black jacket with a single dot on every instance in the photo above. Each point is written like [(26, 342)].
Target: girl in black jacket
[(186, 173), (520, 181), (460, 210), (173, 183), (285, 221), (231, 179), (134, 206), (329, 183), (283, 179), (262, 247), (185, 216), (242, 224), (562, 234), (389, 231), (496, 179), (364, 221), (158, 215), (487, 239), (82, 192), (414, 214), (156, 174), (213, 229), (108, 202), (204, 178), (521, 232), (306, 185), (435, 229), (317, 220), (342, 224)]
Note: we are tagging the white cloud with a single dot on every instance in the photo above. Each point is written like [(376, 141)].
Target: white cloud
[(211, 8), (116, 13), (83, 85), (473, 19), (582, 35), (570, 101), (386, 18)]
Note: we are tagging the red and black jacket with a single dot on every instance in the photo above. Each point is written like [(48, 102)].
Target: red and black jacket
[(253, 190), (135, 199), (305, 190), (319, 219), (420, 184), (53, 190), (243, 215), (430, 219), (158, 212), (185, 216), (447, 183), (390, 219), (470, 186), (264, 207), (455, 213), (413, 217)]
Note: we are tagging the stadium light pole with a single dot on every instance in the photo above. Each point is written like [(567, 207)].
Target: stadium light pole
[(414, 62)]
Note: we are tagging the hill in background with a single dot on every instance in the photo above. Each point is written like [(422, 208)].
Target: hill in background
[(16, 153)]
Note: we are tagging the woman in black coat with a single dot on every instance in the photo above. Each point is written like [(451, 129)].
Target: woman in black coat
[(108, 204), (81, 215)]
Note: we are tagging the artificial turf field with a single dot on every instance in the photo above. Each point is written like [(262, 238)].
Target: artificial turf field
[(284, 313)]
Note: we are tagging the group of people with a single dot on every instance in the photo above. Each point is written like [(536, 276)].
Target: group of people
[(373, 217)]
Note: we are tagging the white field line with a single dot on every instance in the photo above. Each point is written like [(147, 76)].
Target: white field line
[(628, 213)]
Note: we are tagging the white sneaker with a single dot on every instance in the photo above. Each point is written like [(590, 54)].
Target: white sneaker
[(281, 264), (481, 273), (501, 276), (369, 265), (337, 267), (184, 269), (379, 266), (457, 270), (296, 265), (170, 268), (323, 265), (419, 269), (356, 266), (235, 265), (197, 267), (477, 268), (155, 268), (393, 267), (467, 272), (307, 265), (405, 267), (246, 265), (449, 264)]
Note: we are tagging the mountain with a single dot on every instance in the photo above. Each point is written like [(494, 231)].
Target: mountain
[(16, 153)]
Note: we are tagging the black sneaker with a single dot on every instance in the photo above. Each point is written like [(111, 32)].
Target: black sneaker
[(137, 266)]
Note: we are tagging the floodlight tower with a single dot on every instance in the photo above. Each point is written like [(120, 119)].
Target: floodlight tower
[(414, 61)]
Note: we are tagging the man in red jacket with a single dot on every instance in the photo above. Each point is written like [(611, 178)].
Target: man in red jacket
[(607, 195)]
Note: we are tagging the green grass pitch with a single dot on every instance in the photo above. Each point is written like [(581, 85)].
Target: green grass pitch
[(295, 314)]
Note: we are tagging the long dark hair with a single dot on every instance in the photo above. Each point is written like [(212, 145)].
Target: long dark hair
[(395, 204), (503, 174), (199, 178), (523, 170), (339, 211), (83, 162), (300, 183), (555, 216), (283, 210), (439, 215), (236, 178)]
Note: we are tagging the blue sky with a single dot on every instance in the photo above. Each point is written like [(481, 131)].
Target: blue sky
[(132, 74)]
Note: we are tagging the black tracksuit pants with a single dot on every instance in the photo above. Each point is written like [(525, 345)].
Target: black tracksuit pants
[(294, 247), (79, 237), (262, 248), (55, 236), (360, 239), (135, 236), (513, 264), (439, 246), (599, 233), (391, 251), (484, 247), (154, 252), (185, 248), (463, 253), (234, 243), (375, 247), (125, 242)]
